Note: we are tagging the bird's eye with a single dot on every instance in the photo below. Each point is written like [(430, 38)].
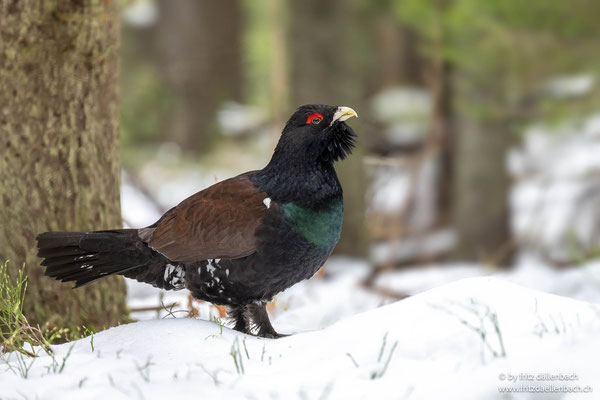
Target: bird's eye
[(314, 119)]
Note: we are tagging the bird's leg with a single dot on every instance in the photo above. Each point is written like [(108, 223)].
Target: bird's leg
[(240, 318), (257, 312)]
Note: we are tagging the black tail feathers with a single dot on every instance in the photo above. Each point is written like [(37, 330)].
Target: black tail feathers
[(83, 257)]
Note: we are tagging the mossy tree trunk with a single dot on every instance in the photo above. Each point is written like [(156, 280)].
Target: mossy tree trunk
[(326, 60), (59, 146)]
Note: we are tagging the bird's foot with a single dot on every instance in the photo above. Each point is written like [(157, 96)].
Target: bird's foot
[(257, 312), (251, 317), (237, 314), (271, 335)]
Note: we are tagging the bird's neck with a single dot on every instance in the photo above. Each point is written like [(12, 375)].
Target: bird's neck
[(305, 185)]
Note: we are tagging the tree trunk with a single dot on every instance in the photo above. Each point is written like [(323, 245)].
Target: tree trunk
[(326, 57), (397, 53), (59, 152), (481, 210), (442, 137), (200, 53), (278, 66)]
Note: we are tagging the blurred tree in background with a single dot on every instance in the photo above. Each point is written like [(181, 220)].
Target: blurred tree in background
[(200, 56), (497, 56), (59, 159)]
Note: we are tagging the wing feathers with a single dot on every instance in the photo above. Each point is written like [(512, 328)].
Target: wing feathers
[(218, 222)]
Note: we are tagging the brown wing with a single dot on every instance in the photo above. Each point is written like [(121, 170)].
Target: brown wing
[(218, 222)]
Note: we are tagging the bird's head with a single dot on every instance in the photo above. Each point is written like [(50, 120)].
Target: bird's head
[(317, 133)]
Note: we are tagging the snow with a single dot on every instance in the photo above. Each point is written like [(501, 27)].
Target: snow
[(570, 86), (389, 189), (556, 197), (395, 188), (581, 282), (400, 103), (405, 112), (136, 209), (238, 119), (416, 348), (412, 248), (140, 13)]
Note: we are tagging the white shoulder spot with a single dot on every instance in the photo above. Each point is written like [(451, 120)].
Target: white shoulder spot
[(267, 202)]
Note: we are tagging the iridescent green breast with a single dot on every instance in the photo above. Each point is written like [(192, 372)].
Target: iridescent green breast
[(320, 226)]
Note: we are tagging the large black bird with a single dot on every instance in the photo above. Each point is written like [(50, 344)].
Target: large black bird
[(239, 242)]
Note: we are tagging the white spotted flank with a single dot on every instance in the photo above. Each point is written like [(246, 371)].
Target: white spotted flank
[(175, 276)]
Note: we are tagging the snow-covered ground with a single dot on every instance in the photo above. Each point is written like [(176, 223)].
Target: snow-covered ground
[(469, 339)]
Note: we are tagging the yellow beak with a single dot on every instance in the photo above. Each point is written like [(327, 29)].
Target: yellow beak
[(342, 114)]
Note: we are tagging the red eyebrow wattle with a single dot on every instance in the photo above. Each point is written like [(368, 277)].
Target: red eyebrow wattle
[(313, 116)]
